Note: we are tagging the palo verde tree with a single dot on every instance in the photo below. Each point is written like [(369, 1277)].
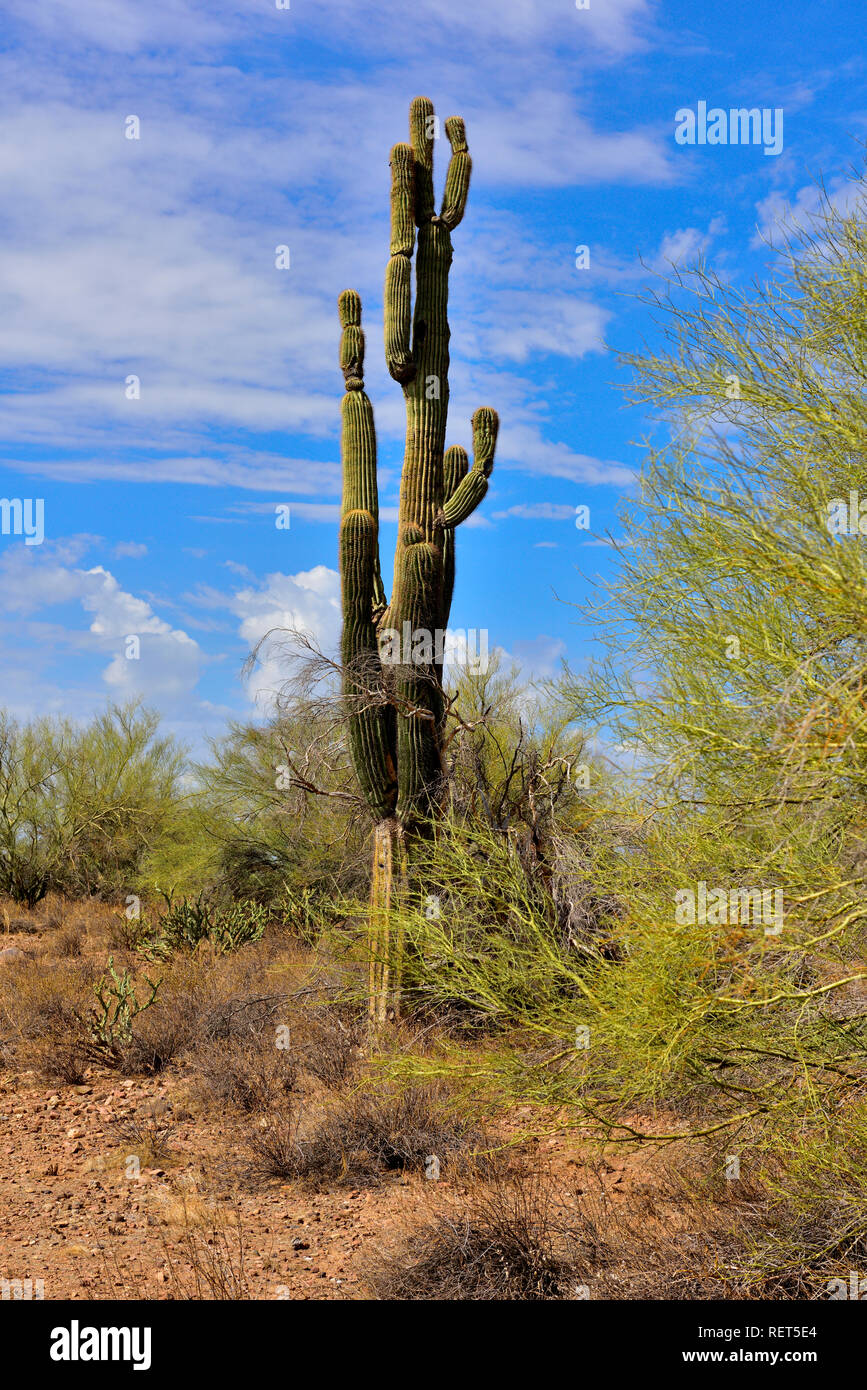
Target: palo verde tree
[(395, 704), (736, 676)]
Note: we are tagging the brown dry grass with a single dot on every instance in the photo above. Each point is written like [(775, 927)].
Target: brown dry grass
[(366, 1136), (521, 1235)]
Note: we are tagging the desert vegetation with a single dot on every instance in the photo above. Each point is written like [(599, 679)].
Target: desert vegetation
[(438, 985)]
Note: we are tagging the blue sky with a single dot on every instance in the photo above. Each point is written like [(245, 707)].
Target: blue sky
[(262, 127)]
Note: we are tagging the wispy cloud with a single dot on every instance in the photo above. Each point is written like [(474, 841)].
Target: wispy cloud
[(538, 511)]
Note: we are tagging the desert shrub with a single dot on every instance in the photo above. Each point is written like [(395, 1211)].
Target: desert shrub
[(208, 1262), (329, 1042), (815, 1228), (519, 1235), (149, 1134), (129, 934), (43, 1016), (62, 1016), (247, 1074), (274, 1148), (159, 1037), (516, 761), (203, 1004), (485, 942), (366, 1136), (272, 843), (69, 940), (81, 806), (512, 1244), (240, 1016)]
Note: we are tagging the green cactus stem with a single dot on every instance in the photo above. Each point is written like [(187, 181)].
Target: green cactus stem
[(394, 709)]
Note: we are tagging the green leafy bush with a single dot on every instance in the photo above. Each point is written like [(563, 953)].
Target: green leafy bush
[(82, 805)]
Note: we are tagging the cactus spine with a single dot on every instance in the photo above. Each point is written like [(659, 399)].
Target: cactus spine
[(395, 706)]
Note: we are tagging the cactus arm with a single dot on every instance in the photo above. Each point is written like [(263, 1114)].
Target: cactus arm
[(421, 134), (472, 488), (358, 432), (455, 468), (458, 176), (370, 721), (398, 275)]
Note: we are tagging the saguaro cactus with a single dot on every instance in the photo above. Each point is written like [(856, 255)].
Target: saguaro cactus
[(395, 701)]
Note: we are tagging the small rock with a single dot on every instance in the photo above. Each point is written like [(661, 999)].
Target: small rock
[(10, 954)]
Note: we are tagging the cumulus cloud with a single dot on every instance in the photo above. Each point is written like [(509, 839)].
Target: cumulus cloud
[(162, 664), (307, 602), (519, 325), (685, 245)]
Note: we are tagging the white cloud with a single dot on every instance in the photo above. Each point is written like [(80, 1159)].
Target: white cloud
[(538, 511), (685, 245), (168, 666), (540, 656), (522, 446), (779, 215), (125, 27), (307, 602), (518, 325)]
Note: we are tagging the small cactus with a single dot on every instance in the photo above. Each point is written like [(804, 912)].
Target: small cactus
[(395, 712), (111, 1024)]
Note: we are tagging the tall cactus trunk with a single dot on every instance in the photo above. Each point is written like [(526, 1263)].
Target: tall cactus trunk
[(394, 705), (388, 890)]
